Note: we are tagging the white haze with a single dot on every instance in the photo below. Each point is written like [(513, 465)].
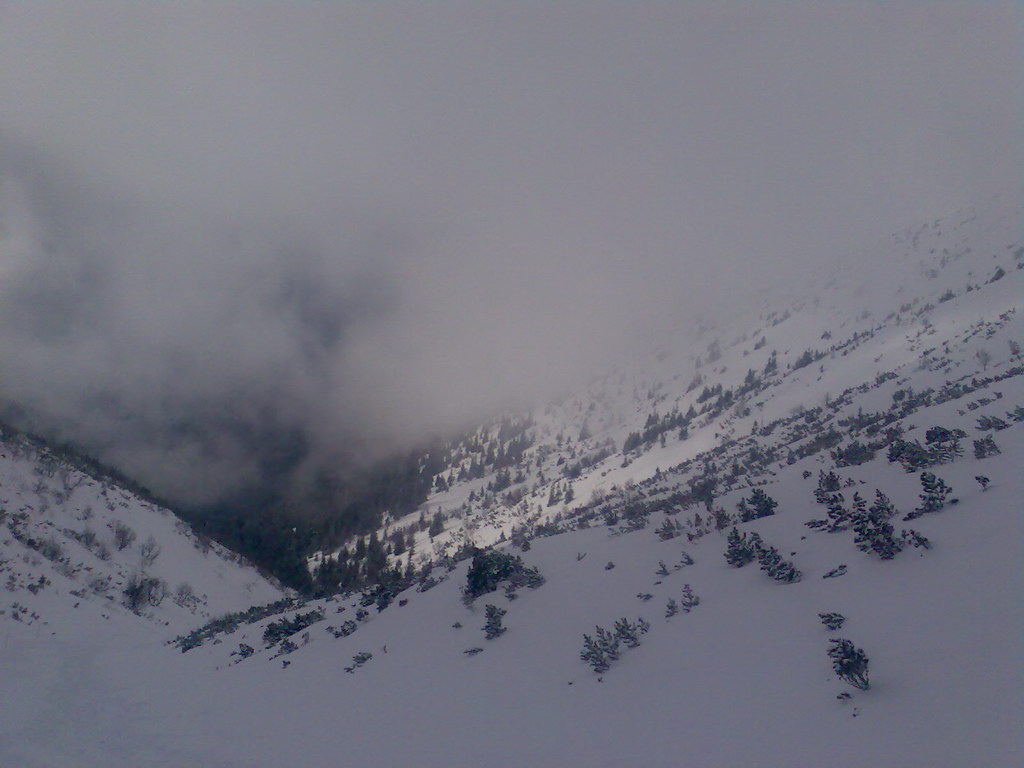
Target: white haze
[(356, 224)]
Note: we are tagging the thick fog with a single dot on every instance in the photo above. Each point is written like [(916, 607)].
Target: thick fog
[(230, 230)]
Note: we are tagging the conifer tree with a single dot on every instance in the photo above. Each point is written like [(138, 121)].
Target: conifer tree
[(838, 515), (832, 621), (986, 447), (771, 562), (827, 485), (944, 444), (849, 663), (667, 530), (627, 632), (874, 531), (933, 496), (594, 655), (760, 504), (883, 506), (913, 538), (858, 506), (555, 495), (493, 627), (739, 551), (609, 643), (689, 600), (912, 455)]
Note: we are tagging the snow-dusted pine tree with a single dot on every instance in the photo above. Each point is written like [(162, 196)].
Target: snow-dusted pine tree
[(689, 600), (493, 627), (849, 663), (739, 552)]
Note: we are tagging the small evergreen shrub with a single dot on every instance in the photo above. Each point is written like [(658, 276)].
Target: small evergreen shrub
[(594, 654), (346, 629), (934, 493), (493, 627), (244, 651), (629, 633), (832, 621), (689, 600), (604, 647), (835, 572), (874, 531), (986, 447), (760, 504), (490, 567), (914, 539), (853, 454), (667, 530), (771, 562), (739, 550), (276, 631), (849, 663)]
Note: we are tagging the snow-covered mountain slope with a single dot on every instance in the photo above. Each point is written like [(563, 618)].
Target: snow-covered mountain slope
[(921, 332), (78, 548), (932, 297), (742, 679)]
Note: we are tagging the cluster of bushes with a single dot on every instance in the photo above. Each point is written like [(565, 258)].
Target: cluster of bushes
[(934, 495), (392, 583), (986, 447), (605, 647), (687, 602), (230, 622), (186, 597), (346, 629), (941, 446), (142, 590), (87, 539), (276, 631), (742, 549), (853, 454), (490, 567), (760, 504), (358, 660), (656, 425), (874, 531)]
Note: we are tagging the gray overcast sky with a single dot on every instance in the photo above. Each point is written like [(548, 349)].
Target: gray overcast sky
[(362, 221)]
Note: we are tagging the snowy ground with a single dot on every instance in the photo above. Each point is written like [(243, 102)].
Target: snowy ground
[(741, 680)]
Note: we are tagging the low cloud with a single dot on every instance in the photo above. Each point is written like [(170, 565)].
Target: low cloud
[(230, 235)]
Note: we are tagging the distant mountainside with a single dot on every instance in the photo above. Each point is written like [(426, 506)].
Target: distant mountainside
[(933, 297), (787, 537)]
